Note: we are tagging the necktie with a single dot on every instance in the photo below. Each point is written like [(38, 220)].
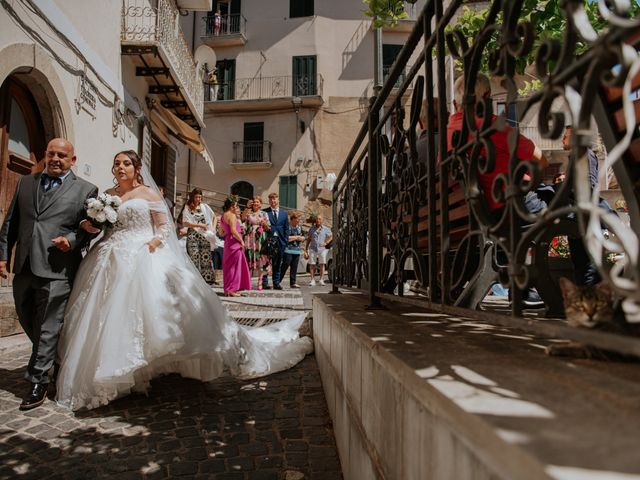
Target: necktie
[(50, 182)]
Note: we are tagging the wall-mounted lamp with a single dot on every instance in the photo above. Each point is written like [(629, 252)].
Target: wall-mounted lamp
[(297, 103)]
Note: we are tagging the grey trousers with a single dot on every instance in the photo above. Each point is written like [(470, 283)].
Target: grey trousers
[(40, 304)]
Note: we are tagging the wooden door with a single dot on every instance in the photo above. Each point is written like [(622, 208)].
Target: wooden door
[(22, 141)]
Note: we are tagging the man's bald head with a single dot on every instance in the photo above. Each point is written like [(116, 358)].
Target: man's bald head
[(59, 157)]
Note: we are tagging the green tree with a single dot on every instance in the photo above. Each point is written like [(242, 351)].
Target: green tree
[(546, 16), (386, 12)]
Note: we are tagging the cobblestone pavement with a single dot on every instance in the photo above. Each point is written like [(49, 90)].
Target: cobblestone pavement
[(273, 428)]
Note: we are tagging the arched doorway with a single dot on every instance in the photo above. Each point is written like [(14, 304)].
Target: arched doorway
[(22, 138), (242, 189)]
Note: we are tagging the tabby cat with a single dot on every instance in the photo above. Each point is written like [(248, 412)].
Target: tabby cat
[(592, 307)]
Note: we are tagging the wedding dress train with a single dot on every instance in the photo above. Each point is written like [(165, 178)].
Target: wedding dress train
[(134, 315)]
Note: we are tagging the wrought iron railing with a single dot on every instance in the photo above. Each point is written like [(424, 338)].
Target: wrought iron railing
[(146, 22), (227, 25), (386, 69), (447, 209), (256, 88), (258, 151)]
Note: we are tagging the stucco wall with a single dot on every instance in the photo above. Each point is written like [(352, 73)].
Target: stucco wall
[(51, 67), (339, 34)]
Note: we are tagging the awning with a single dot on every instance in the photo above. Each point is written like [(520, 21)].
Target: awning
[(183, 132)]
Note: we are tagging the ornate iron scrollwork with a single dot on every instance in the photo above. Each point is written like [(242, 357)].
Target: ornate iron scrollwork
[(453, 257)]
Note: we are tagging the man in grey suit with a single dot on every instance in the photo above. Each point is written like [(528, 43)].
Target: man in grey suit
[(44, 223)]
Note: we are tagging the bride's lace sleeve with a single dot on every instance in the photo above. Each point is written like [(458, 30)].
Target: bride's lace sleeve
[(162, 223)]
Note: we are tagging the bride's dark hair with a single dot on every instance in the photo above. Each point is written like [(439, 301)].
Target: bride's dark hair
[(135, 160)]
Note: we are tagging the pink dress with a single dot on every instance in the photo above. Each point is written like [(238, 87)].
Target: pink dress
[(235, 270)]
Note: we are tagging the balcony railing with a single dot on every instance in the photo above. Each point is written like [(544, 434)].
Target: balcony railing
[(385, 74), (144, 24), (533, 133), (256, 88), (228, 25), (455, 213), (258, 151)]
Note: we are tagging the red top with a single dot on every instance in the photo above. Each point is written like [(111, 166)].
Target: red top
[(501, 141)]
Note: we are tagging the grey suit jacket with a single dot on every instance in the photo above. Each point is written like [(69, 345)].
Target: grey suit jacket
[(33, 220)]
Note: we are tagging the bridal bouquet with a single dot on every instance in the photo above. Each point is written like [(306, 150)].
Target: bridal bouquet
[(103, 210)]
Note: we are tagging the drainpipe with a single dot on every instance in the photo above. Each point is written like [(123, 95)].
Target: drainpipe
[(188, 170), (377, 61), (193, 48)]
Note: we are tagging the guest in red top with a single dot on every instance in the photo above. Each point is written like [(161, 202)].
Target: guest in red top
[(527, 150)]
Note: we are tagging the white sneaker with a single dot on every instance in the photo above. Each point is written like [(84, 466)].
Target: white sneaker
[(322, 282), (312, 283)]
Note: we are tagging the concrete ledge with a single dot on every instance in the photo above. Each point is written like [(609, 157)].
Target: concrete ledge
[(415, 394)]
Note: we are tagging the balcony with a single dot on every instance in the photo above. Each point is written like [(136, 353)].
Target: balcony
[(196, 5), (152, 36), (405, 25), (231, 31), (386, 69), (263, 93), (253, 155)]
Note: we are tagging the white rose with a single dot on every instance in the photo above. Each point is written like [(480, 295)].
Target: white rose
[(93, 203), (101, 217), (111, 214)]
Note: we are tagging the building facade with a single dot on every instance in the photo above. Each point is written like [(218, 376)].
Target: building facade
[(287, 93)]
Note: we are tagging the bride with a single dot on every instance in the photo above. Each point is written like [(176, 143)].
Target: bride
[(140, 309)]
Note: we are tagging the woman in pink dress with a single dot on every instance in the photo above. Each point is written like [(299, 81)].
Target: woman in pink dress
[(235, 270)]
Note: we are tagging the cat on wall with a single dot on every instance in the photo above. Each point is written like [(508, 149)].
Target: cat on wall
[(592, 307)]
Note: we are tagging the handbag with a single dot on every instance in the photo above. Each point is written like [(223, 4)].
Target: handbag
[(270, 247)]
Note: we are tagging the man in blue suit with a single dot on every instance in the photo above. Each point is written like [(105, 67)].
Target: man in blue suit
[(279, 220)]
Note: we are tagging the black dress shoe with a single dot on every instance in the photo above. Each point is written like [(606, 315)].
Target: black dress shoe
[(35, 397), (277, 287), (266, 287)]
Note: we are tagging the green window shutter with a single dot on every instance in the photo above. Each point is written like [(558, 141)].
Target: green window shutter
[(226, 78), (304, 75), (288, 191)]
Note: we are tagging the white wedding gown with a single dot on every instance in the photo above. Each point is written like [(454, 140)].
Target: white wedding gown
[(134, 315)]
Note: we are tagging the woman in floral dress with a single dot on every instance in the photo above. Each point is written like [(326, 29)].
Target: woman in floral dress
[(198, 218), (258, 225)]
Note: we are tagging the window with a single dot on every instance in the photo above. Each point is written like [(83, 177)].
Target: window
[(300, 8), (253, 147), (226, 76), (289, 191), (244, 190), (389, 55), (304, 76)]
